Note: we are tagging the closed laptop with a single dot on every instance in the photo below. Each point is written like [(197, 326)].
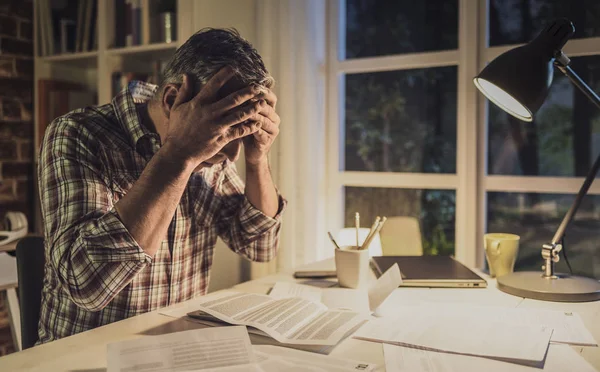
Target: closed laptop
[(430, 271)]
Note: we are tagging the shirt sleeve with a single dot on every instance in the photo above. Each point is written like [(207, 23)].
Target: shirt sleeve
[(243, 227), (91, 252)]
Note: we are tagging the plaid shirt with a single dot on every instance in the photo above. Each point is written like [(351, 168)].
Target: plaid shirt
[(96, 273)]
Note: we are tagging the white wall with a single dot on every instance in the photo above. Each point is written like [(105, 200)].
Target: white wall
[(228, 268)]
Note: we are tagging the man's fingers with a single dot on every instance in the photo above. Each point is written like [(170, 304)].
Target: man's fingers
[(184, 93), (235, 99), (269, 126), (243, 130), (268, 95), (269, 113), (216, 82), (243, 113)]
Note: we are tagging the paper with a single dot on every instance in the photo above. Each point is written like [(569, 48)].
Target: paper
[(461, 332), (567, 325), (560, 358), (182, 351), (333, 298), (343, 298), (384, 286), (276, 359), (288, 320)]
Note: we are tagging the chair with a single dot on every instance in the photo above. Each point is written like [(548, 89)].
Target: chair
[(401, 236), (30, 269), (8, 284)]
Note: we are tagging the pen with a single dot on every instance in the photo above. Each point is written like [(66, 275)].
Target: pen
[(333, 240), (357, 223)]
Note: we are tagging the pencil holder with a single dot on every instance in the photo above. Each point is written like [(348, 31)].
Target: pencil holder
[(352, 266)]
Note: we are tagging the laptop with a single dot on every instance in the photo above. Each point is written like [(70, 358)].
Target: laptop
[(429, 271)]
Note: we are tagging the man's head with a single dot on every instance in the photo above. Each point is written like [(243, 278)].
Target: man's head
[(200, 57)]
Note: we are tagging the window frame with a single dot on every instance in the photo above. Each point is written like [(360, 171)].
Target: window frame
[(471, 181)]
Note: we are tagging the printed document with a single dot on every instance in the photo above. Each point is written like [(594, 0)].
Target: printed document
[(560, 358), (291, 320), (448, 330), (359, 300), (182, 351)]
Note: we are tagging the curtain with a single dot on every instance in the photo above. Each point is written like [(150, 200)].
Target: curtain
[(291, 38)]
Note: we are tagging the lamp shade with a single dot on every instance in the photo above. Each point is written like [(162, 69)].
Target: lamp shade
[(519, 79)]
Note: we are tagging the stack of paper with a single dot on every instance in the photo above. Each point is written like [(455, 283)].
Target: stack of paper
[(560, 358), (506, 334), (217, 349)]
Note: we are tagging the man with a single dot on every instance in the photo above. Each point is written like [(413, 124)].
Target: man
[(135, 193)]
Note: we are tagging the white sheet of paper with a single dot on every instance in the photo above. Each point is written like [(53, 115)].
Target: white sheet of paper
[(560, 358), (188, 350), (459, 332), (567, 325), (387, 283), (440, 296)]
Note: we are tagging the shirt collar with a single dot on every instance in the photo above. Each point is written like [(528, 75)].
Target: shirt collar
[(126, 111)]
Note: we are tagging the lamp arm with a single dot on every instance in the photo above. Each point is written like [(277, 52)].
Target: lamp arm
[(585, 89)]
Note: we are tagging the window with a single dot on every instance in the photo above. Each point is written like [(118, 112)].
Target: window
[(411, 136), (535, 169), (396, 73)]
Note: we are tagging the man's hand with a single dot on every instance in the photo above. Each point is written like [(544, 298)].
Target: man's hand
[(199, 127), (257, 145)]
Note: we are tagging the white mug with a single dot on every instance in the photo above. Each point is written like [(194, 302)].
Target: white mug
[(501, 252), (352, 266)]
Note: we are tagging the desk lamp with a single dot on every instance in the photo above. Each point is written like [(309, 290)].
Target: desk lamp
[(518, 82)]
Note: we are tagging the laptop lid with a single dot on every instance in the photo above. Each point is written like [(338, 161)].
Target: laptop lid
[(430, 271)]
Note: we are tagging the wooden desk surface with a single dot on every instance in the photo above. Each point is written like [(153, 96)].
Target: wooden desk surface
[(87, 351)]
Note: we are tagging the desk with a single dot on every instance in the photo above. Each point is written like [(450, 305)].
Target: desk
[(86, 352)]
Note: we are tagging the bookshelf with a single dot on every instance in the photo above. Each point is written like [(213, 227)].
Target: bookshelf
[(92, 66)]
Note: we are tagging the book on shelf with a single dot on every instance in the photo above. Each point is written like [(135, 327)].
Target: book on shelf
[(128, 23), (66, 26)]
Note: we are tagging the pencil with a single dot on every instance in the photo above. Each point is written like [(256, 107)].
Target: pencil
[(357, 223), (333, 240), (372, 230), (366, 243)]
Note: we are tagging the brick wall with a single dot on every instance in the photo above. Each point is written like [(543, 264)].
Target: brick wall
[(16, 122)]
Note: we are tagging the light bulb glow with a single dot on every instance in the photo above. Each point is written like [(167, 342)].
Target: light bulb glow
[(503, 100)]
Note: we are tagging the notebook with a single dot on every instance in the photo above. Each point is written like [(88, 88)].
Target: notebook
[(429, 271)]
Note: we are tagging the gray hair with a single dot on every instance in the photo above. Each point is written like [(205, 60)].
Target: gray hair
[(209, 50)]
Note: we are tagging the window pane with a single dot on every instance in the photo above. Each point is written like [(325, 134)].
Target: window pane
[(552, 145), (520, 21), (535, 218), (401, 121), (435, 210), (383, 27)]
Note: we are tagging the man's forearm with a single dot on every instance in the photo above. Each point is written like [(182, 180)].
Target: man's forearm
[(260, 189), (148, 208)]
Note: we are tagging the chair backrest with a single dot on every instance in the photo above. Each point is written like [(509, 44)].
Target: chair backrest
[(30, 270), (401, 236)]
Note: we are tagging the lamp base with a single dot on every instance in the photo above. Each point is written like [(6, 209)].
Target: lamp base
[(560, 288)]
